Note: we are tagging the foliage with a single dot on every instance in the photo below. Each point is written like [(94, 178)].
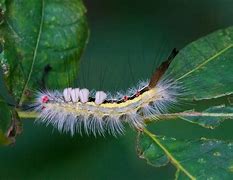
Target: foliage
[(41, 45)]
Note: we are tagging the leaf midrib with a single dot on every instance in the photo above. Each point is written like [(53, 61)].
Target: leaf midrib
[(34, 54), (197, 114), (205, 62)]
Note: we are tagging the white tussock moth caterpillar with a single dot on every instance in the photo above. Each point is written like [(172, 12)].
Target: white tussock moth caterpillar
[(98, 112)]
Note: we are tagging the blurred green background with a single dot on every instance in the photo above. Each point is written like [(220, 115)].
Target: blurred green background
[(128, 39)]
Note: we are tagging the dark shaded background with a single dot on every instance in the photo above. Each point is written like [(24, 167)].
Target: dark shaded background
[(128, 39)]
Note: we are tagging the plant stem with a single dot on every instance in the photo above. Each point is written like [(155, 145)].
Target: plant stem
[(27, 115)]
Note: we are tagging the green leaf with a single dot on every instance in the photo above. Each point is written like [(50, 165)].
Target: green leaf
[(9, 123), (194, 159), (43, 44), (205, 66)]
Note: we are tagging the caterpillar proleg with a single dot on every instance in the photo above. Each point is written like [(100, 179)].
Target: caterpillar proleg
[(98, 112)]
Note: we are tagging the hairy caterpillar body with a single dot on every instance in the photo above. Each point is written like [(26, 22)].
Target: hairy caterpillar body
[(98, 112)]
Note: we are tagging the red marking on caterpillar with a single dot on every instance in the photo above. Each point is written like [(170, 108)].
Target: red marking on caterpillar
[(125, 98), (44, 99), (138, 93), (75, 109)]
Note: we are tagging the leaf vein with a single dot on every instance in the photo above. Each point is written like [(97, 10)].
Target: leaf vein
[(207, 61), (34, 54)]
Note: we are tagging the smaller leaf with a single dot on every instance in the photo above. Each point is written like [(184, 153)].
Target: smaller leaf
[(10, 125), (211, 117), (194, 159)]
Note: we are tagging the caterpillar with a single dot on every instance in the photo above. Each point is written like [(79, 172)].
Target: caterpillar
[(97, 112)]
